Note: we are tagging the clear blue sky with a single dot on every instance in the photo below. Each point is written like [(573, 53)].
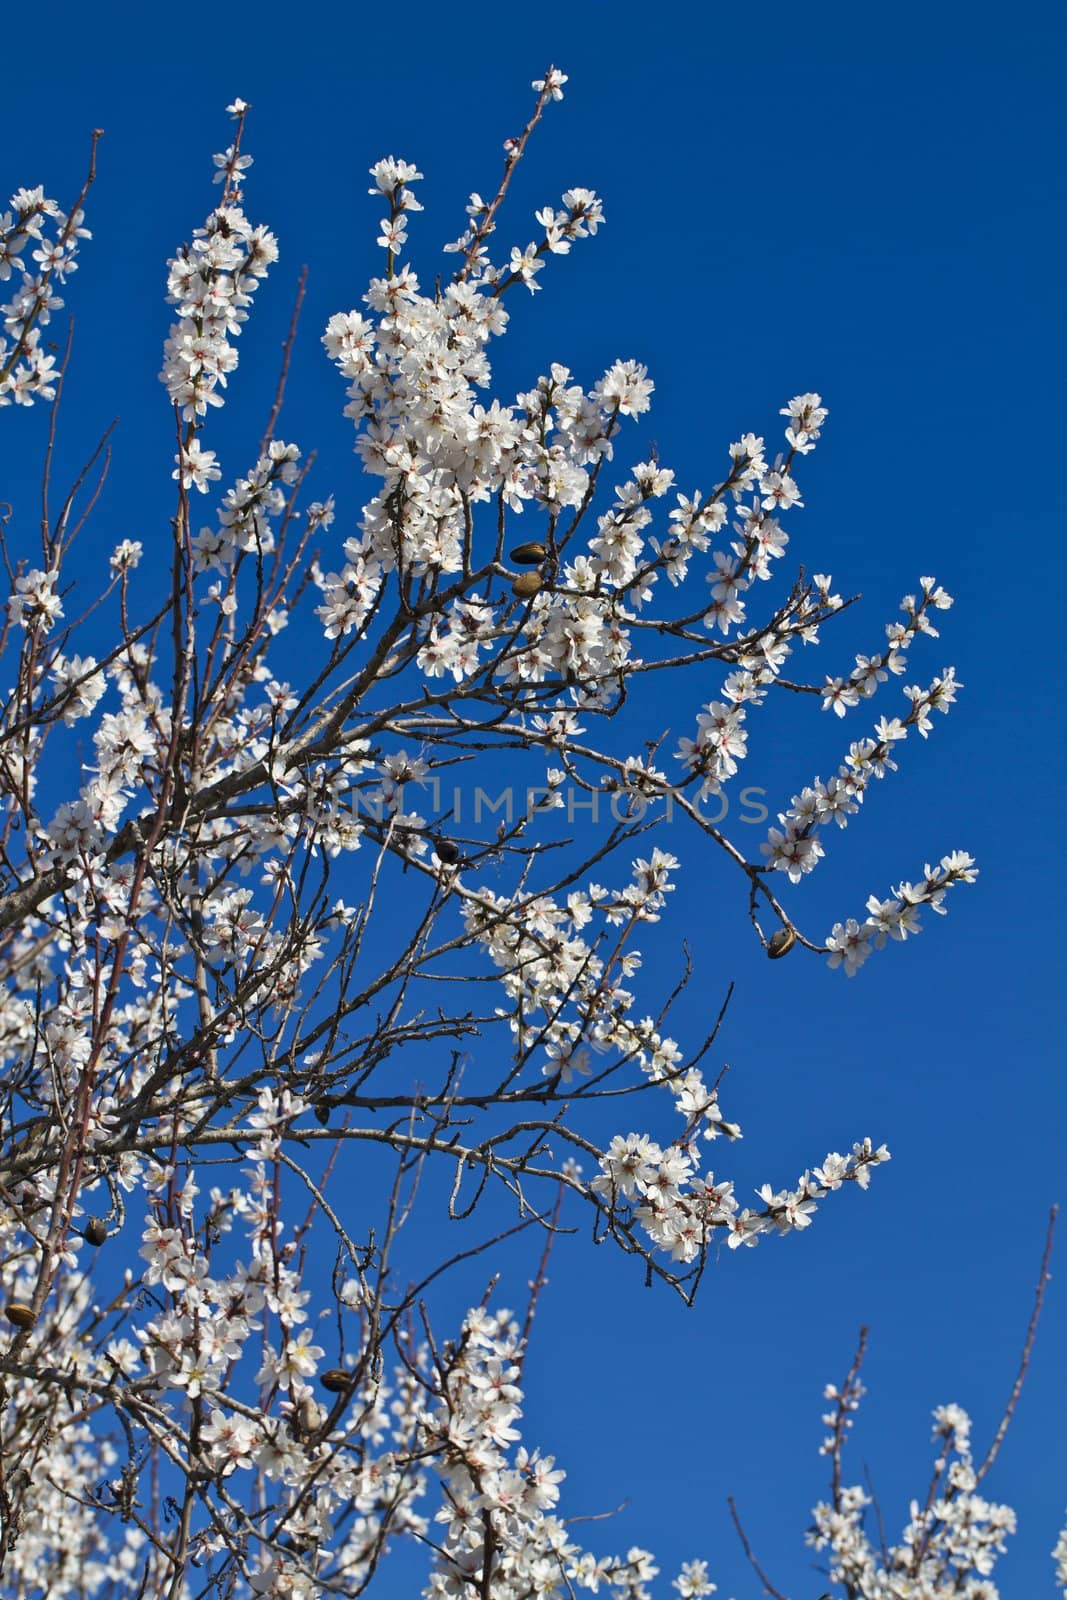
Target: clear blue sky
[(864, 201)]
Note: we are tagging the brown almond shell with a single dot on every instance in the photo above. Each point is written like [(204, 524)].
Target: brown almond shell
[(528, 555)]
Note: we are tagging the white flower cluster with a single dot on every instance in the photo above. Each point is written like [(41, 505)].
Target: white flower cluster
[(364, 1473), (414, 366), (567, 1001), (27, 371), (582, 214), (245, 516), (391, 178), (34, 604), (796, 848), (211, 282), (126, 749), (682, 1212), (870, 671), (721, 742), (851, 942), (1059, 1555), (223, 1367), (81, 685), (950, 1544), (564, 997), (58, 1538), (502, 1536)]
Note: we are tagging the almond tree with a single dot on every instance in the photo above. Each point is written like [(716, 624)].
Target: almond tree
[(268, 934)]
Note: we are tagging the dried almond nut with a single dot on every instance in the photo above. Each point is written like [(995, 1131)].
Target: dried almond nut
[(528, 555), (308, 1415), (336, 1380)]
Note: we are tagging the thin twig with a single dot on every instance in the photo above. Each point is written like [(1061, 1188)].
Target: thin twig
[(1024, 1362), (846, 1402), (877, 1504), (287, 351), (768, 1586), (516, 149), (541, 1277)]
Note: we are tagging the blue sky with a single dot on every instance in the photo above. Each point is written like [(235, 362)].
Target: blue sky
[(866, 202)]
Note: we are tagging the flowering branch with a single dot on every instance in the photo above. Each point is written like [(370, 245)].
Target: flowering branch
[(253, 945)]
